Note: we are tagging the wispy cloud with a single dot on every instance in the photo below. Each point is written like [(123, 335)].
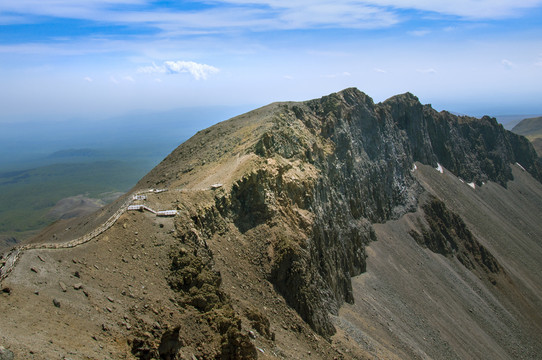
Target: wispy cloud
[(198, 71), (427, 71), (332, 76), (378, 70), (419, 32), (124, 79), (255, 15), (218, 16), (472, 9), (508, 64), (88, 79)]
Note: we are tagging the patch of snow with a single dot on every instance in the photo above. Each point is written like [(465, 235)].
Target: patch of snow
[(439, 169), (414, 168), (461, 180), (521, 167), (472, 185)]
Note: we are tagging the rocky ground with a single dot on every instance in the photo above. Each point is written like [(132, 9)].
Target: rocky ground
[(415, 303)]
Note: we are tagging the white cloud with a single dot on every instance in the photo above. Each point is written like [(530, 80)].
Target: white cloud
[(427, 71), (378, 70), (198, 71), (152, 69), (88, 79), (128, 78), (508, 64), (113, 80), (332, 76)]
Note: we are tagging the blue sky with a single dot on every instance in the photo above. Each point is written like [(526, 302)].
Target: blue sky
[(71, 59)]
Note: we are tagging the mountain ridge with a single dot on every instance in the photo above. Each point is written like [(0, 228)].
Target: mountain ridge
[(476, 158), (282, 203)]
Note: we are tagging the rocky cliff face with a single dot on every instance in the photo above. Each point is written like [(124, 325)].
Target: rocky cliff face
[(329, 168)]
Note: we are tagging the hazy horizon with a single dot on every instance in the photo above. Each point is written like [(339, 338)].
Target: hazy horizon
[(143, 136)]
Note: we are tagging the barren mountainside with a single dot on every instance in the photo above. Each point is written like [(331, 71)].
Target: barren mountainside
[(330, 228), (532, 129)]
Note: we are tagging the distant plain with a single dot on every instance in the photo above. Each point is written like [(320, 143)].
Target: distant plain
[(44, 162)]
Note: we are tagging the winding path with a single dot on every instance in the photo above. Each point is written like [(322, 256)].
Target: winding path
[(10, 260)]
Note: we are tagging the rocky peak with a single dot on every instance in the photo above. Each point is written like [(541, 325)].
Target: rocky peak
[(320, 172)]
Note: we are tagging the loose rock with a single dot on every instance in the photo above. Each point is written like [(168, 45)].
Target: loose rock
[(56, 303), (62, 286), (6, 354)]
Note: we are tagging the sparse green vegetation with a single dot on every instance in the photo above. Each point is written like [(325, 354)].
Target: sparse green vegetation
[(27, 196)]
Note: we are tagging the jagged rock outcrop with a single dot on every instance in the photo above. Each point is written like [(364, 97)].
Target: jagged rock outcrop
[(477, 150), (448, 235)]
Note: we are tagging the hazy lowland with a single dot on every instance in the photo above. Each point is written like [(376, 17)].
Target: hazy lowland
[(86, 162)]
